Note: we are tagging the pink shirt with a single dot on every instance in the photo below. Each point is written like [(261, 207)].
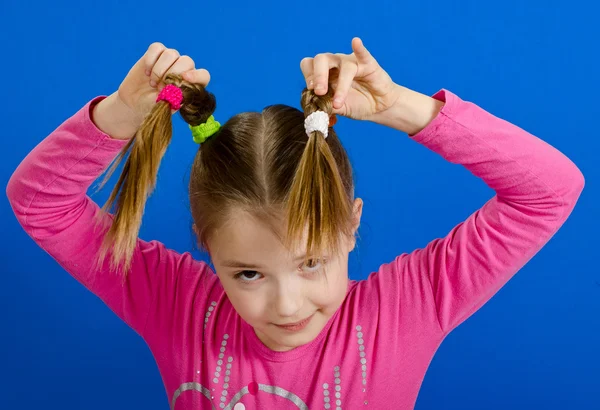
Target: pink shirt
[(375, 350)]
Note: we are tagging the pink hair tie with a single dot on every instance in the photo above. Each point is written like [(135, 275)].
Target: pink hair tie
[(171, 94)]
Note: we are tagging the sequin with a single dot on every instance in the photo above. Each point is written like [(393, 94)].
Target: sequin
[(338, 387), (362, 354)]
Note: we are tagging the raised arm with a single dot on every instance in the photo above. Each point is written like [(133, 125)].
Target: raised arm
[(48, 194), (536, 189)]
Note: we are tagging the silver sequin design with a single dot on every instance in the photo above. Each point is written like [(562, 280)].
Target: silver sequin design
[(211, 308), (278, 391), (363, 355), (219, 367)]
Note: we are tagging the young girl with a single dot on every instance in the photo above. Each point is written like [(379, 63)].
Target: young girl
[(280, 325)]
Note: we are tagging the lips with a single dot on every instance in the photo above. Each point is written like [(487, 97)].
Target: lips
[(296, 326)]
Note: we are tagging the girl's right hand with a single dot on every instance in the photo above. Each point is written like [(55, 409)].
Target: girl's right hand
[(122, 113), (139, 89)]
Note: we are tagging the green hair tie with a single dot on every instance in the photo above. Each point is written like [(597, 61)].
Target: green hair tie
[(203, 131)]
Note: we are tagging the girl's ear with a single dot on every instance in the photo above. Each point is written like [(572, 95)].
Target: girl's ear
[(357, 214)]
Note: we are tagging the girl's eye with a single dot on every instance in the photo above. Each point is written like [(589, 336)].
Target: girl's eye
[(248, 276), (314, 265)]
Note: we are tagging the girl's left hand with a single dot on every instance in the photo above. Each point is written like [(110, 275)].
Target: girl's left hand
[(363, 90)]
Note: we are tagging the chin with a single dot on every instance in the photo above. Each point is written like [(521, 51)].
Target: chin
[(293, 341)]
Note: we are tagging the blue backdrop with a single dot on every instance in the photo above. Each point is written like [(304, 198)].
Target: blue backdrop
[(533, 346)]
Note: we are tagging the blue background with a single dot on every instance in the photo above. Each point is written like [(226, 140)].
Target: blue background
[(535, 345)]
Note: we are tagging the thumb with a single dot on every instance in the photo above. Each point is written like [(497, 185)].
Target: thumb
[(360, 51)]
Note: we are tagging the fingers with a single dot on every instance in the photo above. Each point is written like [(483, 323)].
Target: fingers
[(152, 55), (321, 65), (166, 60), (346, 76), (200, 76), (306, 66), (316, 71), (363, 56), (181, 64), (160, 61)]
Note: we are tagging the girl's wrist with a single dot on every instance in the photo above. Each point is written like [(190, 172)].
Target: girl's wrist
[(411, 112), (114, 118)]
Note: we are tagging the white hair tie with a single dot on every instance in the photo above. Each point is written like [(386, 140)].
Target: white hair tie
[(317, 121)]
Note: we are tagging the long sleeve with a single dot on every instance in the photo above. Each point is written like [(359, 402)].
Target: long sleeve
[(536, 189), (47, 193)]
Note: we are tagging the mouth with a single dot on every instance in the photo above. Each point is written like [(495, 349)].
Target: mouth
[(296, 326)]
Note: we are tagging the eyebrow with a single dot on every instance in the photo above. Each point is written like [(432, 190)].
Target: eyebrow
[(237, 264)]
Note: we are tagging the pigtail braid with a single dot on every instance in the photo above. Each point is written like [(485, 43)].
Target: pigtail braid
[(317, 198), (138, 177)]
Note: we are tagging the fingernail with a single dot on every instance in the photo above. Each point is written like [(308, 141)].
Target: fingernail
[(319, 87), (337, 102), (152, 83), (311, 84), (148, 72)]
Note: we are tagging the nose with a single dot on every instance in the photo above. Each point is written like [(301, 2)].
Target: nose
[(289, 299)]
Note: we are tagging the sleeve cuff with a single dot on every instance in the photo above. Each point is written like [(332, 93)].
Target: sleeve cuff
[(451, 100), (92, 131)]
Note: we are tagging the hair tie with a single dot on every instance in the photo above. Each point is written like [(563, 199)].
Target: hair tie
[(171, 94), (202, 132), (317, 121), (332, 120)]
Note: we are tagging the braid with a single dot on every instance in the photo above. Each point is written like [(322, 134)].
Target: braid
[(138, 178), (317, 199)]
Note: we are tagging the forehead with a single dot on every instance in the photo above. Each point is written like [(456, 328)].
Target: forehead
[(245, 237)]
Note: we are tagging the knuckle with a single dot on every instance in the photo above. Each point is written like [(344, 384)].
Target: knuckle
[(187, 59), (305, 62), (156, 46), (171, 52)]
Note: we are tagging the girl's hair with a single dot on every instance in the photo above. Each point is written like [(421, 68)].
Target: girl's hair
[(260, 163)]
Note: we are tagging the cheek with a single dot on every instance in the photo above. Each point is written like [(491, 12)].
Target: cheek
[(249, 305), (330, 291)]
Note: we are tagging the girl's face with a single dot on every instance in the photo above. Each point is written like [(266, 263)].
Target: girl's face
[(286, 301)]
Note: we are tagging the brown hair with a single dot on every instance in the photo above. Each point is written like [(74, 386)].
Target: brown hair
[(261, 163)]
